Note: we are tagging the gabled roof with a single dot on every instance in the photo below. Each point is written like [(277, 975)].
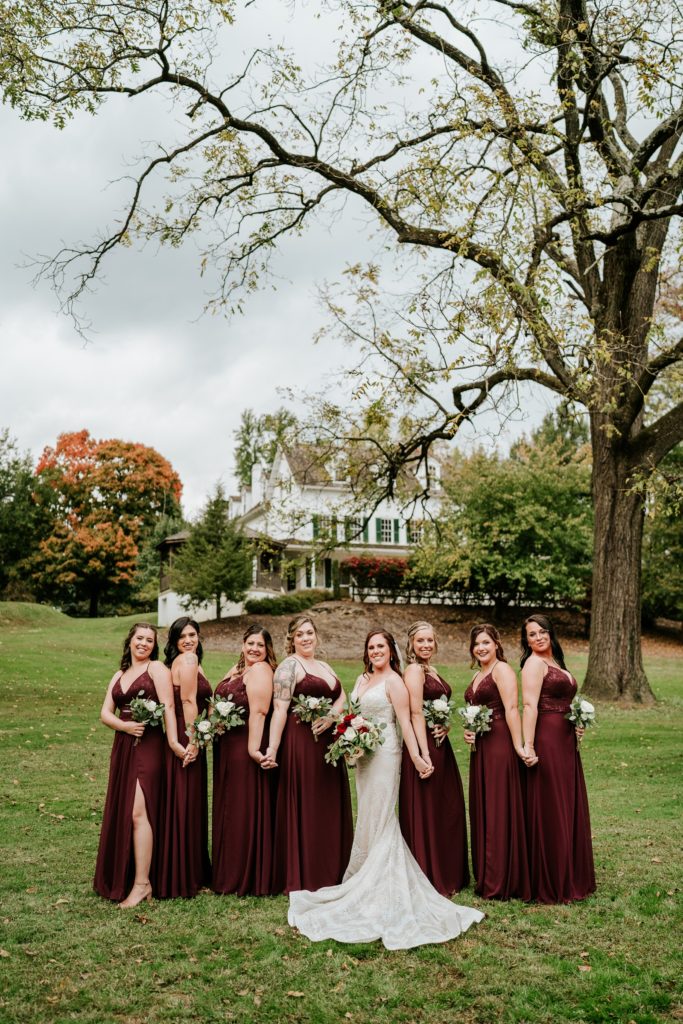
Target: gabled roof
[(308, 465)]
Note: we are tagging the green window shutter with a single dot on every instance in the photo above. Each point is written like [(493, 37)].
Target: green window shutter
[(397, 529), (316, 526), (378, 530), (366, 530)]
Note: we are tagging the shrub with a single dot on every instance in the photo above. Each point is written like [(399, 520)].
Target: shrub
[(287, 603)]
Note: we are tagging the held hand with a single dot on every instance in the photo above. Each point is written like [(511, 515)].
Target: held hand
[(423, 768), (469, 737), (262, 760), (320, 725), (190, 754), (269, 758), (439, 732), (580, 732), (530, 756), (134, 728), (179, 750)]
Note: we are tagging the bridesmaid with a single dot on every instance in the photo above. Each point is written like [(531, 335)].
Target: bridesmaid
[(432, 809), (313, 825), (558, 822), (185, 866), (131, 824), (497, 827), (243, 795)]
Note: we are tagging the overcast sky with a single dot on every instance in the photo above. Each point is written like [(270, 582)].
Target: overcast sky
[(155, 370)]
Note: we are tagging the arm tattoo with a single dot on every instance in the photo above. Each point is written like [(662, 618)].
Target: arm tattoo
[(284, 680)]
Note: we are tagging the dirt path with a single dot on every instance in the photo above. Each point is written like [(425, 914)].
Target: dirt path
[(343, 626)]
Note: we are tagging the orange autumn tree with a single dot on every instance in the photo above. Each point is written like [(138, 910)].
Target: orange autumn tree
[(103, 498)]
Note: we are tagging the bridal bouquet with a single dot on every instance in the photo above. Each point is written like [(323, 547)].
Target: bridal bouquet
[(438, 712), (310, 709), (354, 735), (581, 714), (144, 709), (477, 719)]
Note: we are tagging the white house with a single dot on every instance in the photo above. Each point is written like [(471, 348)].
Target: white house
[(305, 516)]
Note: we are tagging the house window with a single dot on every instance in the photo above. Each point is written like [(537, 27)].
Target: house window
[(354, 528), (325, 527), (384, 531), (415, 530)]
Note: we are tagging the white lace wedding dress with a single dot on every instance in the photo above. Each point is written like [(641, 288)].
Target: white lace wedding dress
[(384, 894)]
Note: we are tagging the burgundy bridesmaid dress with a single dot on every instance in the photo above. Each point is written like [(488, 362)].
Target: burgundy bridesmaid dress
[(130, 763), (497, 825), (243, 806), (184, 866), (432, 811), (558, 822), (314, 824)]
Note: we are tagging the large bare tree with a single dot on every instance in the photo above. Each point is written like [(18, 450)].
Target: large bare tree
[(526, 156)]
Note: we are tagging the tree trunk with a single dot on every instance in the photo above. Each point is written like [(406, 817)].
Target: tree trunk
[(94, 603), (615, 665), (218, 607)]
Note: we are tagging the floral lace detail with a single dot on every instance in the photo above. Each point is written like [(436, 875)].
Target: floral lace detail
[(384, 894)]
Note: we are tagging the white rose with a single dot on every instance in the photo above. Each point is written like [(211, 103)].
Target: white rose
[(204, 726), (151, 705), (350, 734), (224, 707), (313, 702), (357, 721), (587, 707), (440, 704)]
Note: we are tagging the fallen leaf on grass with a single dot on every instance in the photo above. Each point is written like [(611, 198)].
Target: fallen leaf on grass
[(60, 901), (257, 1000), (656, 860), (142, 919), (296, 995), (31, 952), (32, 889), (584, 955), (3, 952), (329, 952), (243, 992), (585, 967)]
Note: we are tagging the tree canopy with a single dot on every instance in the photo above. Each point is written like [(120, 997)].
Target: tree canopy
[(215, 563), (101, 500), (525, 156)]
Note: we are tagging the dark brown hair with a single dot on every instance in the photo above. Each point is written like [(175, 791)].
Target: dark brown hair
[(485, 627), (544, 622), (253, 630), (171, 649), (394, 658), (126, 657)]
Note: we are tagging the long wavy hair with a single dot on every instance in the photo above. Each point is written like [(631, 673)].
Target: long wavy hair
[(485, 627), (126, 657), (294, 624), (394, 656), (411, 656), (544, 622), (171, 650), (253, 630)]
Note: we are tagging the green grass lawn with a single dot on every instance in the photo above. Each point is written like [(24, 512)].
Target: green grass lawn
[(67, 955)]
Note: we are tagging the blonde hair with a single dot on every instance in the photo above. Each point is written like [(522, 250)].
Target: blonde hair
[(295, 623), (411, 656)]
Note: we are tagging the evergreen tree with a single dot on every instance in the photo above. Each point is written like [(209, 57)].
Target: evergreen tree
[(215, 563)]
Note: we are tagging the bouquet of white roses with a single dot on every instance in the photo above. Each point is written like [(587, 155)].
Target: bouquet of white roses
[(581, 714), (476, 718), (224, 714), (438, 712), (201, 732), (309, 709), (354, 735), (146, 710)]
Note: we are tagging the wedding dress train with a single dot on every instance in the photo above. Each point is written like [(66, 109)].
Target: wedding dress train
[(384, 894)]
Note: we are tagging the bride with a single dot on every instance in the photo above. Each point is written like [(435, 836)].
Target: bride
[(384, 894)]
